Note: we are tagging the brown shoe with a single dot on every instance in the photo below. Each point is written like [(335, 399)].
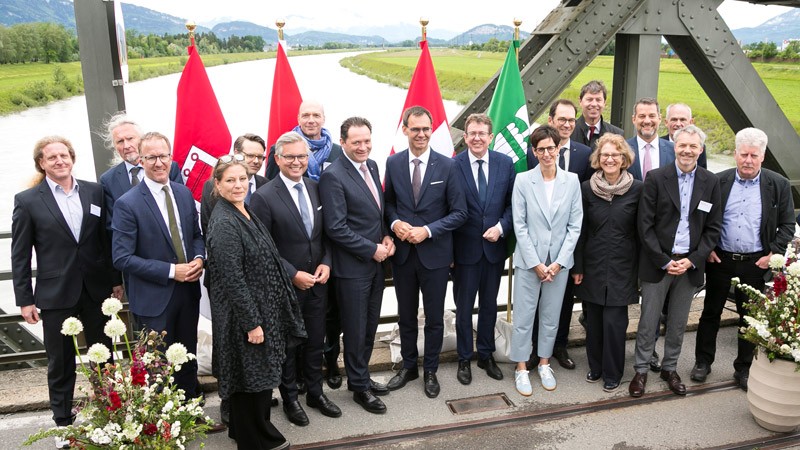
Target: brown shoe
[(636, 387), (673, 381)]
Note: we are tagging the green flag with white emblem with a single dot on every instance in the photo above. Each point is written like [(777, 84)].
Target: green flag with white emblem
[(509, 113)]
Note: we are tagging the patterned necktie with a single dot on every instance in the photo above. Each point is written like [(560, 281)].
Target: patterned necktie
[(647, 164), (416, 180), (481, 183), (301, 200), (174, 233), (135, 175), (365, 173)]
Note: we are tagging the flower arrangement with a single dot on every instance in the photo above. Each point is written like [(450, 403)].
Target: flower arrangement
[(773, 322), (131, 404)]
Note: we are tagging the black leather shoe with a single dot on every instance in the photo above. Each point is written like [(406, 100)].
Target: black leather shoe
[(464, 373), (225, 411), (674, 382), (561, 355), (273, 402), (431, 385), (742, 377), (491, 368), (333, 377), (592, 377), (402, 377), (655, 365), (610, 386), (295, 413), (378, 389), (369, 402), (700, 371), (324, 405), (637, 385)]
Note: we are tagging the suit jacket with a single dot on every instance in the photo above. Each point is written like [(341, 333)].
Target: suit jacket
[(64, 264), (702, 161), (666, 156), (468, 242), (777, 208), (142, 248), (581, 131), (544, 230), (441, 206), (273, 205), (116, 181), (272, 165), (353, 221), (578, 160), (209, 200), (659, 213)]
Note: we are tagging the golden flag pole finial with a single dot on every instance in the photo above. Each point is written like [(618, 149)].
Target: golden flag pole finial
[(280, 23), (190, 26), (517, 23), (424, 22)]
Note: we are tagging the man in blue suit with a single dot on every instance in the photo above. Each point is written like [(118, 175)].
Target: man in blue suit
[(651, 152), (487, 179), (157, 244), (424, 204)]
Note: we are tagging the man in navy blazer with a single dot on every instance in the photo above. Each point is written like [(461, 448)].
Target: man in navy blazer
[(660, 152), (155, 233), (487, 180), (424, 205), (123, 135)]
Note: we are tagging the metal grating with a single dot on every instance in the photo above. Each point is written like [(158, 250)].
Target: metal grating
[(491, 402)]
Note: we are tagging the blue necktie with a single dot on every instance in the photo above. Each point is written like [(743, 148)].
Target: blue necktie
[(301, 200), (249, 194), (481, 183)]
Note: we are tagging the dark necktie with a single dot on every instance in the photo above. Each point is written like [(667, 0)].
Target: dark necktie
[(249, 193), (562, 163), (301, 200), (173, 227), (416, 180), (135, 175), (481, 183)]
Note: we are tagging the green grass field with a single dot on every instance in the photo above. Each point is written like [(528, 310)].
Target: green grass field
[(462, 73)]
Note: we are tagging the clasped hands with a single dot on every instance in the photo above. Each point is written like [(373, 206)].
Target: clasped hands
[(190, 271), (547, 273), (304, 280), (405, 232), (679, 267), (384, 250)]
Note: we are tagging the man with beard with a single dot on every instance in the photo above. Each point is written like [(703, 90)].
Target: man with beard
[(651, 152)]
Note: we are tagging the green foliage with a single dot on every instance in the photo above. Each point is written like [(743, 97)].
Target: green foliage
[(151, 45), (32, 42), (761, 50)]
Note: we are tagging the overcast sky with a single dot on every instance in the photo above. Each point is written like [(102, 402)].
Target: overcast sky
[(341, 15)]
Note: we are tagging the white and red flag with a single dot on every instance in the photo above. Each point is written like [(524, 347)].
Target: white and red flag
[(424, 91), (286, 99), (201, 133)]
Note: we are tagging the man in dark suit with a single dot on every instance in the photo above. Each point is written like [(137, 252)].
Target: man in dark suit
[(650, 152), (590, 125), (123, 135), (290, 208), (679, 115), (757, 222), (424, 204), (158, 246), (487, 179), (679, 223), (63, 220), (573, 157), (352, 208)]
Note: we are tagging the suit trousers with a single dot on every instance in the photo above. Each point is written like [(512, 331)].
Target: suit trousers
[(718, 284), (481, 279), (564, 319), (61, 351), (527, 302), (605, 340), (179, 320), (360, 306), (250, 424), (410, 278), (313, 307), (680, 291), (333, 326)]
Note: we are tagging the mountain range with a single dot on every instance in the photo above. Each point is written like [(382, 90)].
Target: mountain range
[(147, 21)]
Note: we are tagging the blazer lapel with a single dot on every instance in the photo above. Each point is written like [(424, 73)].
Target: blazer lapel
[(358, 179), (725, 186), (122, 178), (558, 189), (540, 194), (313, 194), (494, 169), (429, 173), (52, 206), (466, 169), (150, 201), (85, 204), (286, 197), (700, 181), (673, 190)]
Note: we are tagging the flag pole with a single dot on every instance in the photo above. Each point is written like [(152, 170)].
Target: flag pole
[(280, 23), (424, 22), (509, 304)]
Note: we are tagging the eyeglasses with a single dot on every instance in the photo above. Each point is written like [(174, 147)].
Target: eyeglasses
[(425, 130), (151, 159), (248, 157), (610, 156), (551, 150), (480, 134), (227, 159), (564, 121), (293, 158)]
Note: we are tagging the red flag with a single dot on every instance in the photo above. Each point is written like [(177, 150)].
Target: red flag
[(285, 101), (201, 134), (424, 91)]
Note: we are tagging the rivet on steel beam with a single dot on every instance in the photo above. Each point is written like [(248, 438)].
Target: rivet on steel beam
[(691, 17), (683, 15), (586, 40), (602, 22), (541, 72), (724, 41), (645, 28), (569, 71), (541, 102), (646, 11), (658, 28), (569, 40), (558, 69)]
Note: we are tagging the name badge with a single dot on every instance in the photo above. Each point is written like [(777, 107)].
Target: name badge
[(94, 210), (704, 206)]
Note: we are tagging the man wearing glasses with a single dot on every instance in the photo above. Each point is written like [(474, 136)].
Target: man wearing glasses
[(157, 244)]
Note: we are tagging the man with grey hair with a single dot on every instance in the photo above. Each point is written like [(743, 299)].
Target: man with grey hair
[(679, 115), (679, 222), (289, 207), (757, 222)]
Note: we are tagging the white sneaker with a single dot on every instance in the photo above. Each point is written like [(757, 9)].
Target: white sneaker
[(523, 382), (548, 380)]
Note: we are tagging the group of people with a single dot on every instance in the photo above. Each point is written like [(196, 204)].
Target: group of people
[(294, 259)]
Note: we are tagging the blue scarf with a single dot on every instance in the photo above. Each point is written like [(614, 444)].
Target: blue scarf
[(320, 150)]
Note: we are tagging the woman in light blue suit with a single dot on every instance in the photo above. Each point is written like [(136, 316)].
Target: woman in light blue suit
[(547, 214)]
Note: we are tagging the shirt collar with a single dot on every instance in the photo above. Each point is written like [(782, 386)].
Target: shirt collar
[(641, 142), (473, 158), (289, 183), (129, 166), (423, 157), (55, 186), (755, 180), (681, 173), (154, 186)]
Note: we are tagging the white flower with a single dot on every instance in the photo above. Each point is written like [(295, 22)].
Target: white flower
[(176, 429), (785, 349), (777, 262), (111, 306), (760, 327), (796, 354), (71, 327), (167, 407), (177, 354), (98, 436), (794, 269), (98, 353), (114, 328)]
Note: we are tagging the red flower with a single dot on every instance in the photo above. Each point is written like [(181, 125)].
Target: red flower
[(779, 284), (149, 429), (167, 427), (116, 403), (137, 373)]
